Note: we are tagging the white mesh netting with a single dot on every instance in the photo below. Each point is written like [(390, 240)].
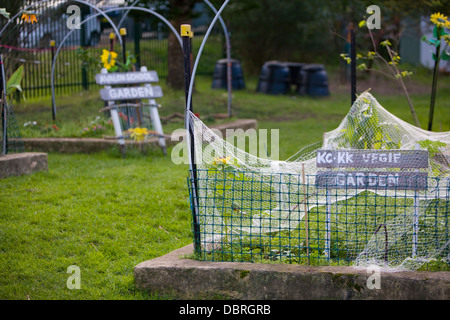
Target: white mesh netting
[(243, 198)]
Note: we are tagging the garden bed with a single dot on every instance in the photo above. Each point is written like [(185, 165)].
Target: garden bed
[(90, 145)]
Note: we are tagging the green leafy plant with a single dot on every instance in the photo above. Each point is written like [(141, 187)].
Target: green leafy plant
[(13, 84), (440, 23), (88, 61), (392, 64), (366, 131)]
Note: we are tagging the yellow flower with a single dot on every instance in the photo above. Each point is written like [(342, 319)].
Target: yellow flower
[(386, 43), (29, 17), (346, 58), (440, 20), (108, 59), (138, 134), (446, 38), (221, 160)]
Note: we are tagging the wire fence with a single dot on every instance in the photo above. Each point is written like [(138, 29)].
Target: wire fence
[(147, 39), (256, 217)]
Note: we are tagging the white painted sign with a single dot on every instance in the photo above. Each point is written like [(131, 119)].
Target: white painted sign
[(116, 78), (372, 180), (372, 158), (126, 93)]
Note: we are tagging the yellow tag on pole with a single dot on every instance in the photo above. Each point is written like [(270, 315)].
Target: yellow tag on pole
[(112, 35), (186, 30), (123, 32), (52, 43)]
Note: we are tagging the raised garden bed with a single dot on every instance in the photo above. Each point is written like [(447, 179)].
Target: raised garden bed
[(90, 145)]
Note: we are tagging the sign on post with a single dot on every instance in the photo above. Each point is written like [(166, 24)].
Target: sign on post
[(377, 180), (130, 93), (116, 78), (141, 90), (410, 159), (372, 180)]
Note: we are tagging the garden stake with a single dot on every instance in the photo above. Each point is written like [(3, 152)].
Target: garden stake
[(186, 35), (433, 88), (306, 212), (123, 33), (327, 226), (52, 50), (386, 241), (353, 65), (111, 41), (3, 107)]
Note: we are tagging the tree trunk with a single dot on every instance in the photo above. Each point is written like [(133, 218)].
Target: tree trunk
[(181, 13), (175, 76)]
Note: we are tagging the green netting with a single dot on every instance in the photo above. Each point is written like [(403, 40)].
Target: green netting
[(252, 209), (12, 141)]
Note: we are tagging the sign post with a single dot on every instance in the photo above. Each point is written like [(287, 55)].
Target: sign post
[(111, 94), (362, 177)]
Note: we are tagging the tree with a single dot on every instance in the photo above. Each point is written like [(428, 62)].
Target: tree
[(180, 12)]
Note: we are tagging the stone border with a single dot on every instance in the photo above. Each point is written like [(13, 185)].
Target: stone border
[(16, 164), (177, 276), (91, 145)]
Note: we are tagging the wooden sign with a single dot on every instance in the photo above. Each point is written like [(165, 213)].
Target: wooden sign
[(128, 93), (116, 78), (372, 180), (372, 159)]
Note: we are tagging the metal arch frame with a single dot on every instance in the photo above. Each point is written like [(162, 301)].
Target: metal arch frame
[(92, 17), (79, 1), (200, 50), (227, 40)]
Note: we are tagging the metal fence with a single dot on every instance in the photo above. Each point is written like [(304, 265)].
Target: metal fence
[(30, 45), (266, 218)]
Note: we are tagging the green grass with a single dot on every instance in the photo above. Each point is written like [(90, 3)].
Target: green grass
[(106, 214), (101, 212)]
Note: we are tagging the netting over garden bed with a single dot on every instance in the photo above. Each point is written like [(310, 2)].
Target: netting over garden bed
[(253, 209)]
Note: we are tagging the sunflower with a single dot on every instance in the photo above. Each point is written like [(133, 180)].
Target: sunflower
[(108, 59), (440, 20), (29, 17)]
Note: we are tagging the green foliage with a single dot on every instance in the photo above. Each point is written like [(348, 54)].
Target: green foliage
[(14, 83), (88, 61), (365, 131), (4, 13)]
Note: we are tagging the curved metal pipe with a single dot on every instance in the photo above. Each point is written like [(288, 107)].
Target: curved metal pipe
[(200, 50), (79, 1), (227, 40), (92, 17)]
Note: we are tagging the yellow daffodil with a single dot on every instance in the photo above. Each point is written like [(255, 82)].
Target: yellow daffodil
[(138, 134), (440, 20), (29, 17), (108, 59), (221, 160)]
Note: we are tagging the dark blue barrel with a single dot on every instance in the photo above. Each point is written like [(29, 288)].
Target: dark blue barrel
[(220, 80), (264, 79), (274, 78), (280, 79), (316, 79)]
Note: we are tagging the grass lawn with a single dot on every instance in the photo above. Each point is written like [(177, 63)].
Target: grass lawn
[(106, 214)]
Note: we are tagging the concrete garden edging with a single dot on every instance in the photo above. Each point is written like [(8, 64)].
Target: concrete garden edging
[(16, 164), (91, 145), (175, 275)]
